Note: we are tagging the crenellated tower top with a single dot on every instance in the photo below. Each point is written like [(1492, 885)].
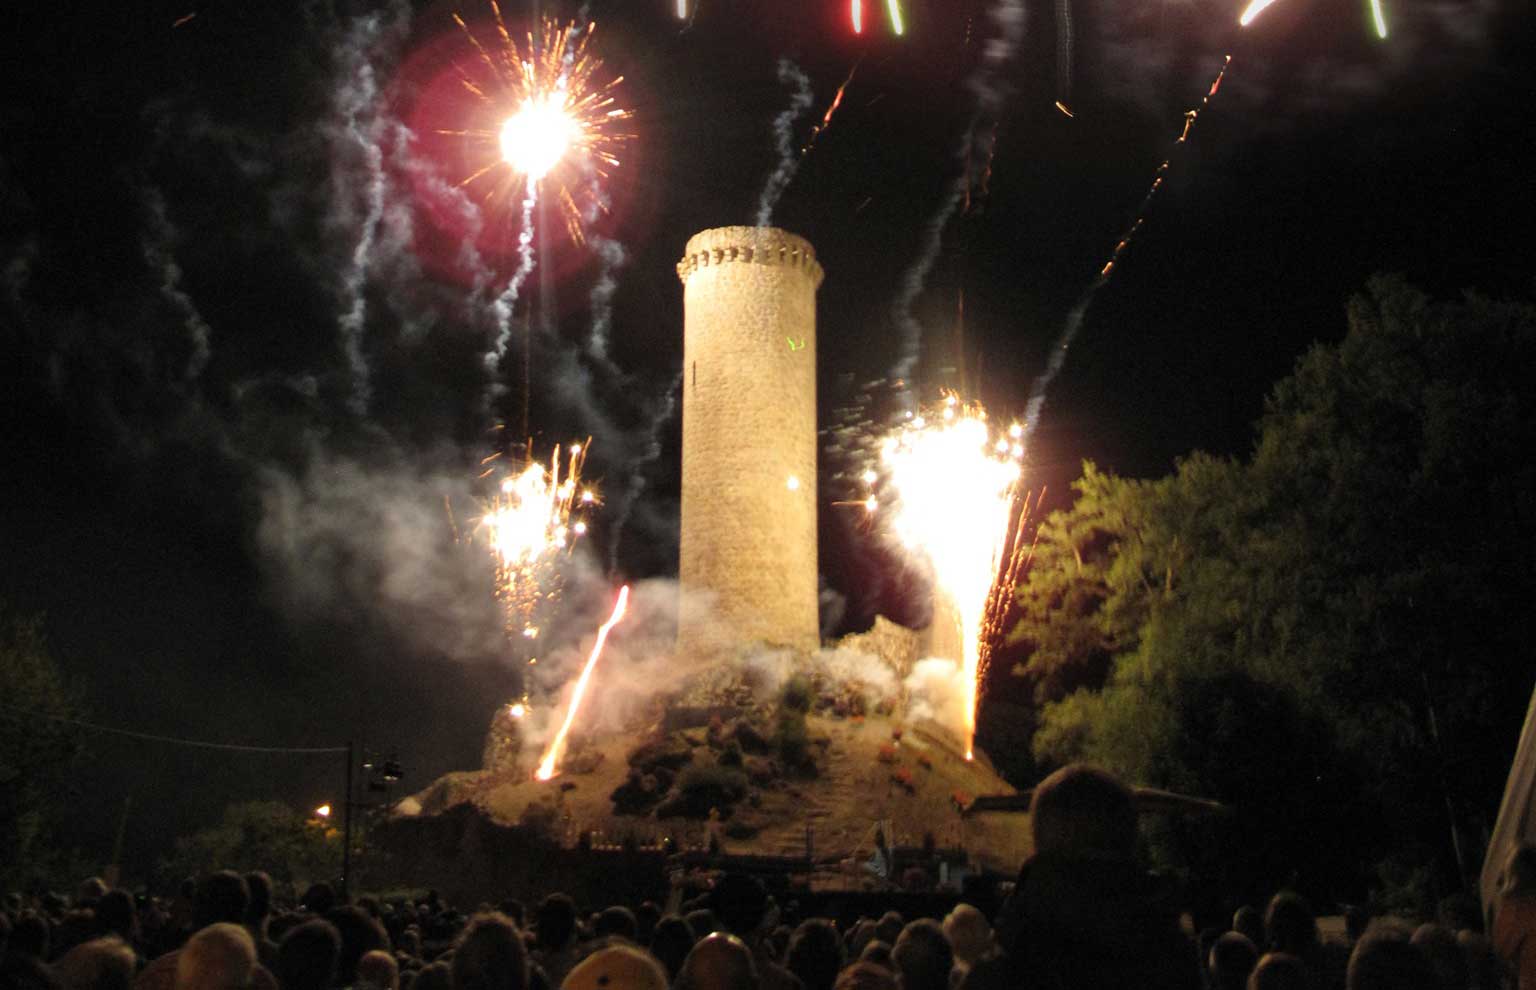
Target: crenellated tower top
[(749, 245)]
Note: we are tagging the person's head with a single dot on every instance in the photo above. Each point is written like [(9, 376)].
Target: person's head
[(220, 896), (100, 964), (1278, 971), (703, 922), (617, 967), (1248, 921), (1483, 964), (1357, 917), (646, 916), (515, 911), (117, 915), (31, 936), (260, 887), (815, 954), (1231, 959), (220, 956), (433, 976), (359, 934), (878, 953), (306, 957), (556, 921), (378, 970), (741, 904), (616, 921), (671, 941), (719, 961), (490, 955), (1081, 810), (1289, 925), (1438, 946), (865, 976), (1384, 960), (319, 899), (923, 956), (1520, 872), (90, 891), (889, 927), (969, 934)]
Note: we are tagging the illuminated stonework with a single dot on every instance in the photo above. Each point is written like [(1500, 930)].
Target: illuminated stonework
[(749, 439)]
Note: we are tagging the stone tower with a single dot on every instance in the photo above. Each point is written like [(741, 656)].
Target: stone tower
[(749, 439)]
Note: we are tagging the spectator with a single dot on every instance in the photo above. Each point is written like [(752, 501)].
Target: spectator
[(1289, 925), (671, 942), (815, 954), (100, 964), (220, 956), (865, 976), (434, 976), (969, 935), (359, 934), (30, 937), (923, 956), (1230, 961), (719, 961), (878, 953), (703, 922), (1484, 972), (1083, 914), (306, 958), (377, 970), (743, 907), (1439, 948), (1278, 971), (490, 955), (556, 937), (1383, 959), (117, 915), (889, 927), (617, 967), (1247, 920), (616, 921), (258, 915), (1514, 916)]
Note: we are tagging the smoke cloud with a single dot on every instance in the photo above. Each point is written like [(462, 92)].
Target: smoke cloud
[(784, 139), (157, 244)]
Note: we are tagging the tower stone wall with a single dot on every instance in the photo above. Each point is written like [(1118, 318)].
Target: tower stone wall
[(749, 439)]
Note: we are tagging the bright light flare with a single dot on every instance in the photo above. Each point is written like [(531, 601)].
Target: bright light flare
[(557, 745), (517, 710), (893, 7), (324, 811), (1254, 9), (954, 494), (1380, 18), (534, 139), (856, 14)]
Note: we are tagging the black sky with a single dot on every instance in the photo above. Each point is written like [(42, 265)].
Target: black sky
[(237, 554)]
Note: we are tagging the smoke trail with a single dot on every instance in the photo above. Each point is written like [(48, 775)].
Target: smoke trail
[(501, 308), (156, 246), (1053, 365), (357, 106), (637, 468), (1064, 50), (784, 139), (612, 257), (990, 90)]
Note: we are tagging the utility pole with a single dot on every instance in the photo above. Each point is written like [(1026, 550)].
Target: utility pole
[(346, 830)]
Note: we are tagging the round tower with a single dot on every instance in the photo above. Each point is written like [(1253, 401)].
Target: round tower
[(749, 439)]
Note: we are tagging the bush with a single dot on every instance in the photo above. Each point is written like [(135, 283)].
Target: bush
[(731, 755), (700, 788), (797, 695), (794, 739)]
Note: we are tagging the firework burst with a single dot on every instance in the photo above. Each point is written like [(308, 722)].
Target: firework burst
[(529, 526), (552, 122), (953, 484)]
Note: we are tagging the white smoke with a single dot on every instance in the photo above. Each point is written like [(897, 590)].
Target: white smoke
[(157, 245), (936, 690), (784, 139)]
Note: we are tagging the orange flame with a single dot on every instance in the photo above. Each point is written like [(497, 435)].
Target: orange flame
[(557, 747)]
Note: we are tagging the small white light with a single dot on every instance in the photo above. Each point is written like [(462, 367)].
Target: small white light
[(871, 504), (870, 477), (580, 528), (793, 484), (518, 710)]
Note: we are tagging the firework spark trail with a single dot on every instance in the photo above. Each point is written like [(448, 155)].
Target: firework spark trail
[(986, 83), (1379, 18), (856, 15), (955, 504), (1064, 53), (158, 255), (637, 479), (826, 118), (502, 307), (784, 139), (1253, 10), (557, 746), (1074, 322)]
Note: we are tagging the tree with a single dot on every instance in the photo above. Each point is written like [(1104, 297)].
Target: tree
[(262, 835), (36, 750), (1363, 579)]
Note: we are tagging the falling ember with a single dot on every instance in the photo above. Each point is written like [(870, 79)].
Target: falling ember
[(856, 12), (517, 710), (557, 746), (1380, 19), (557, 124), (954, 504), (894, 7)]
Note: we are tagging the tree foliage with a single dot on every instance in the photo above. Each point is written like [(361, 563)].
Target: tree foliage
[(36, 750), (1340, 620), (261, 835)]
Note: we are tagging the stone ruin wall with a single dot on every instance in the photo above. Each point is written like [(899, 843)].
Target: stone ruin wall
[(749, 425)]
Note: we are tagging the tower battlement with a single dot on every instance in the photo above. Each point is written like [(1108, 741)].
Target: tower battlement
[(749, 245)]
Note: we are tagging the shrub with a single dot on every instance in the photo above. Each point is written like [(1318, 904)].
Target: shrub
[(700, 788), (797, 695)]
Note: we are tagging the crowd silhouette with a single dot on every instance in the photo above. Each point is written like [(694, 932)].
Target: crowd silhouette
[(1081, 914)]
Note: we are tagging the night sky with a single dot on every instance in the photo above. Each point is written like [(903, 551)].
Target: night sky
[(227, 544)]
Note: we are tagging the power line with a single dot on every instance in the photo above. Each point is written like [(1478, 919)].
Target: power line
[(174, 740)]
